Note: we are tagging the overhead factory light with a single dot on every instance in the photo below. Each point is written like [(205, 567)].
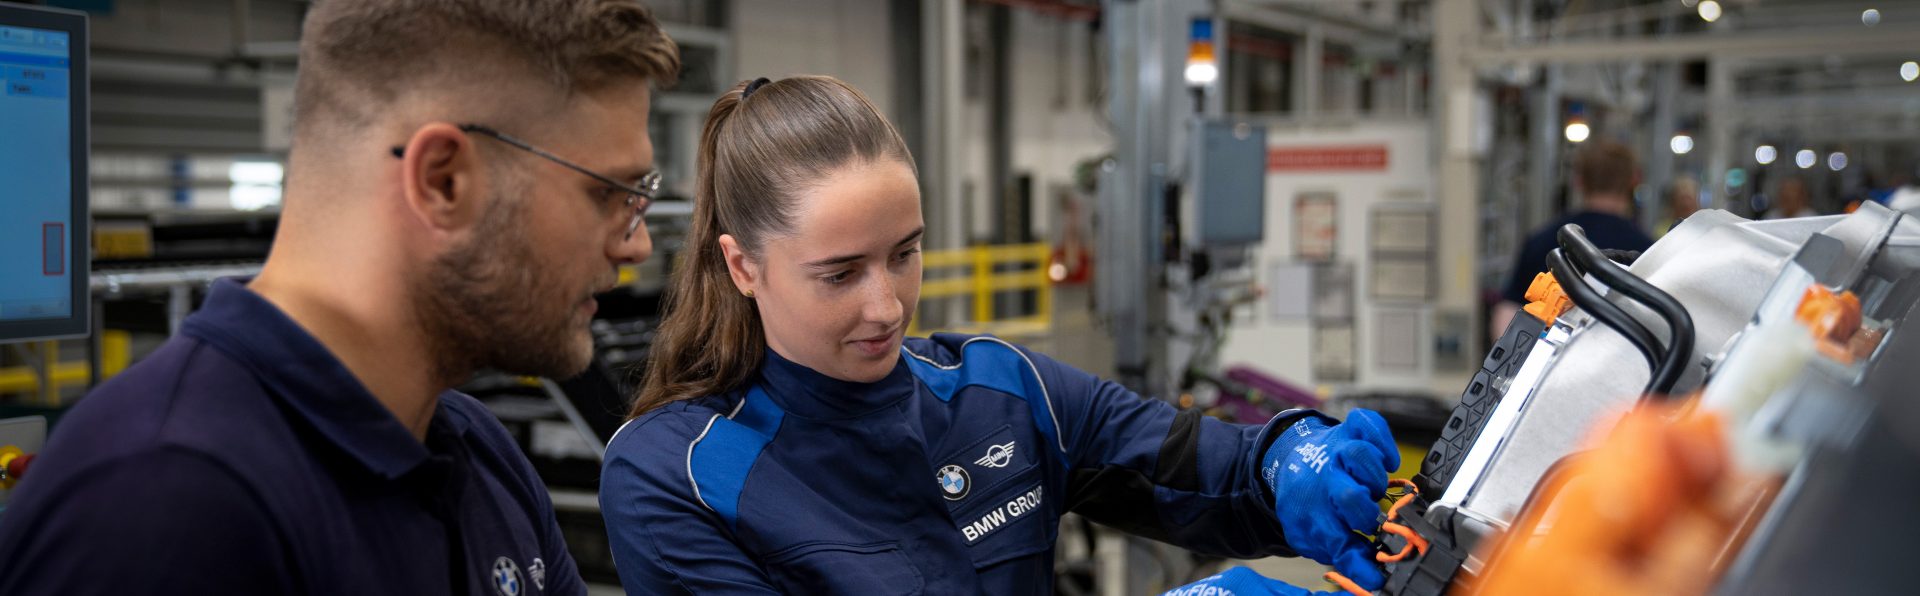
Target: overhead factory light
[(1577, 131), (1910, 71), (1837, 161), (1765, 154), (1804, 158), (1870, 17), (1681, 144), (1710, 10)]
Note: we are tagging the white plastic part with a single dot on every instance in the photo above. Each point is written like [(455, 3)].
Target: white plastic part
[(1769, 357)]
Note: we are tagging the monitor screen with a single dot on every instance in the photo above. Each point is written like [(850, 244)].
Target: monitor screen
[(43, 161)]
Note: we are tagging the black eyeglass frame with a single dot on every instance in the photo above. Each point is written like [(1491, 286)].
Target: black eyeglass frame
[(639, 196)]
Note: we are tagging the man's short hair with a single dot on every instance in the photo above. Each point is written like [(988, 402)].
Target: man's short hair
[(1605, 167), (358, 56), (1682, 188)]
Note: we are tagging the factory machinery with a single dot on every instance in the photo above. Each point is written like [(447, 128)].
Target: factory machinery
[(1731, 412)]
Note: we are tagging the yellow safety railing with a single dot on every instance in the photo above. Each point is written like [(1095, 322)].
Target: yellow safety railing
[(979, 283), (116, 352)]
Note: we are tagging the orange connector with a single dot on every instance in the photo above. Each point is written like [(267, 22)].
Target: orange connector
[(1835, 321), (1833, 317), (1546, 301), (1414, 541)]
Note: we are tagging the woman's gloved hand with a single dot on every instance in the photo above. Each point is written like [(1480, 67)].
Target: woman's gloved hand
[(1326, 482), (1241, 581)]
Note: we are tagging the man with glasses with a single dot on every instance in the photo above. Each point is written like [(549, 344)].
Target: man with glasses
[(638, 195), (300, 435)]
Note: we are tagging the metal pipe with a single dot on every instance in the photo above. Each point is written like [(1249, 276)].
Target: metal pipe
[(579, 422), (1605, 311), (179, 305), (1679, 347)]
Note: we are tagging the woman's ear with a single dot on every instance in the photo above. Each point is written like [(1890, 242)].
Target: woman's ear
[(745, 273)]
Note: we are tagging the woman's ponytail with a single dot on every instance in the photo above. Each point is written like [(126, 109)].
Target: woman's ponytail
[(710, 340)]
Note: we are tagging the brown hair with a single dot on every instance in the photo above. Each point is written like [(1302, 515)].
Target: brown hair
[(757, 152), (357, 56), (1605, 167)]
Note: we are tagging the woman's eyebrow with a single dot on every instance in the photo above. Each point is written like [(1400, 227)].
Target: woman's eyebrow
[(830, 262)]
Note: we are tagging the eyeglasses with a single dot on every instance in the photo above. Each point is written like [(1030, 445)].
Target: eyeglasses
[(639, 196)]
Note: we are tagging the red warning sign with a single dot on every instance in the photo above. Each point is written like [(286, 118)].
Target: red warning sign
[(1326, 159)]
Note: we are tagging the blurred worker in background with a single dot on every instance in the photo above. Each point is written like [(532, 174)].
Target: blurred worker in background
[(1604, 173), (1791, 200), (1682, 200), (790, 439), (466, 175), (1904, 194)]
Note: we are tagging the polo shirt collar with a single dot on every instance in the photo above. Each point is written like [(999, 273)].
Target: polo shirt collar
[(314, 385)]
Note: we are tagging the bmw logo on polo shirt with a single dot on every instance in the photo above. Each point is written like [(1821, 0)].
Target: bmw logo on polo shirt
[(506, 577)]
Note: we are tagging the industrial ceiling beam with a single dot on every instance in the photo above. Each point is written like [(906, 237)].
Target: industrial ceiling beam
[(1847, 41), (1343, 29)]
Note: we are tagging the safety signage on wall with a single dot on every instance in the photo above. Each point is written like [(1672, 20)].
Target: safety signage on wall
[(1316, 159)]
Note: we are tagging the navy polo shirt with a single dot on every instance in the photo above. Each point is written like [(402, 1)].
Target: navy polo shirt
[(1603, 229), (242, 457)]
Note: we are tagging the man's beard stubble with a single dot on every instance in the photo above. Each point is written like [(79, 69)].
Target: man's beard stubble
[(488, 304)]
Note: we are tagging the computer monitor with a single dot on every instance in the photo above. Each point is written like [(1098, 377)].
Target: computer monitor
[(44, 240)]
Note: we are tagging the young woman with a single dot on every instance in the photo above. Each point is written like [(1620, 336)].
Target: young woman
[(789, 439)]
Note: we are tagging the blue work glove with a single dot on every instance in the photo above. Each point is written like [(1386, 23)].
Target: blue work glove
[(1326, 482), (1242, 581)]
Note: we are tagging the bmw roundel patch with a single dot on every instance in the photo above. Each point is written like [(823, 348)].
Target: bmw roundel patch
[(506, 577), (954, 482)]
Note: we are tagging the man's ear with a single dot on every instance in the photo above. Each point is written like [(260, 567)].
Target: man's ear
[(440, 178), (745, 272)]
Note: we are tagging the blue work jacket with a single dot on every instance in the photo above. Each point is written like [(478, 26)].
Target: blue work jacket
[(948, 476)]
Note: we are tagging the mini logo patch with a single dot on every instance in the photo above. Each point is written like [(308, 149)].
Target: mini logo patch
[(998, 456), (954, 482), (506, 577), (537, 571)]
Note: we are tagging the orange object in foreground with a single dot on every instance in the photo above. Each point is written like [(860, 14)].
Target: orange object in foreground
[(1637, 515)]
